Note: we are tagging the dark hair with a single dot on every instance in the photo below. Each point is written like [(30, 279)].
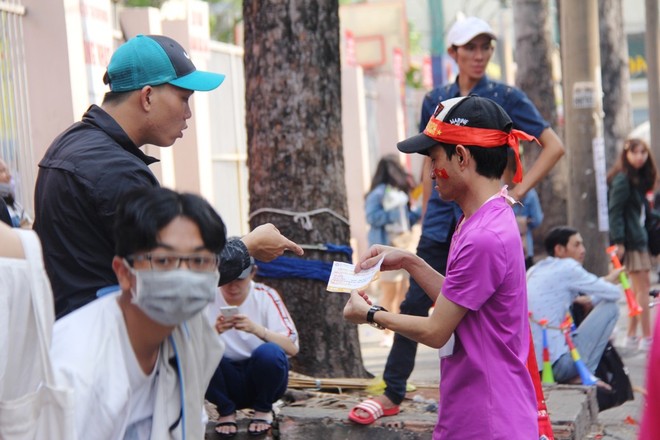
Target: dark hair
[(144, 212), (490, 162), (390, 171), (643, 178), (558, 235), (511, 164)]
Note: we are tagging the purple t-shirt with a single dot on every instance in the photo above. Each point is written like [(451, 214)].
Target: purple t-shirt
[(486, 390)]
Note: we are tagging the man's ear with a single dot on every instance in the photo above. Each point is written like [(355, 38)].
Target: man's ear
[(146, 95), (560, 251), (124, 276), (453, 52), (462, 155)]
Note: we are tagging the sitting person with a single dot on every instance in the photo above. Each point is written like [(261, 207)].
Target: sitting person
[(140, 359), (554, 284), (258, 334)]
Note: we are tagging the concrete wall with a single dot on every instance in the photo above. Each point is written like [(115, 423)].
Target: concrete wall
[(53, 66)]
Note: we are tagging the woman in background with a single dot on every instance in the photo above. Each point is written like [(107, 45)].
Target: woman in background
[(631, 177), (390, 218)]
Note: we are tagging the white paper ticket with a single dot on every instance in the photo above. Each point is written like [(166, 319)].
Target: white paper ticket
[(344, 279)]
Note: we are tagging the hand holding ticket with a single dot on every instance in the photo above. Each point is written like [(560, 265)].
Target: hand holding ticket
[(344, 279)]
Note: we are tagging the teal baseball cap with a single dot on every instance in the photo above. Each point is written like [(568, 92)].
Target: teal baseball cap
[(152, 60)]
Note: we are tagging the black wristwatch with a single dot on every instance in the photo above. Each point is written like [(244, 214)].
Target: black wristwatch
[(370, 316)]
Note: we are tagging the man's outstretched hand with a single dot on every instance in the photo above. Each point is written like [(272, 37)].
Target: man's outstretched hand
[(265, 243)]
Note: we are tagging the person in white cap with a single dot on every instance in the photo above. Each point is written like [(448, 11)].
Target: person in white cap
[(92, 164), (470, 44)]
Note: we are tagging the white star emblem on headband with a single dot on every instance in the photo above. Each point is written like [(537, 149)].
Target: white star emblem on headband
[(185, 54)]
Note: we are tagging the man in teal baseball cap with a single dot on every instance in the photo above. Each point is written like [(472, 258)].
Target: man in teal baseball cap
[(89, 168)]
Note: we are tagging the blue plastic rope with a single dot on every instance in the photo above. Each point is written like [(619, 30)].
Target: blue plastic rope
[(288, 267)]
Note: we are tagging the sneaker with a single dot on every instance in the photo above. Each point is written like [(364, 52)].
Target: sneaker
[(631, 342), (645, 344)]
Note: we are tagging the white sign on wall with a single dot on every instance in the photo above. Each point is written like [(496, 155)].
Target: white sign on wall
[(598, 148), (584, 95)]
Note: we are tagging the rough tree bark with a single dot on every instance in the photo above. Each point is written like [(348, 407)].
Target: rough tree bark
[(617, 122), (293, 120), (534, 77)]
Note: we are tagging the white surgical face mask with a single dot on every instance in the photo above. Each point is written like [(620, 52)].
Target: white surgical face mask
[(171, 297)]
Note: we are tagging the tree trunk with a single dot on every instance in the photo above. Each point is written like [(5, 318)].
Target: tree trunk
[(534, 77), (617, 122), (293, 121)]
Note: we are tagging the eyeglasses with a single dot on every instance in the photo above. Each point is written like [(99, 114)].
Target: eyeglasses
[(195, 262)]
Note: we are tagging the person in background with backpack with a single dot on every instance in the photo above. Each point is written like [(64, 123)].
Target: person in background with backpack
[(631, 177), (557, 282)]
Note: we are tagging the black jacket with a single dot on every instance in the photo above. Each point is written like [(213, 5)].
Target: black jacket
[(625, 208)]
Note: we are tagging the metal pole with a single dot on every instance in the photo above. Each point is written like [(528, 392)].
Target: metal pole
[(437, 17)]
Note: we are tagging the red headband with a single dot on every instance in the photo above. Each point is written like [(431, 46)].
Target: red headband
[(482, 137)]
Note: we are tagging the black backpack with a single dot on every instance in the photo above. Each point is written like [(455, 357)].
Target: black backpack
[(612, 371)]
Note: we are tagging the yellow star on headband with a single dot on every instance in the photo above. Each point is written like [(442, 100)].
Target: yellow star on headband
[(433, 129)]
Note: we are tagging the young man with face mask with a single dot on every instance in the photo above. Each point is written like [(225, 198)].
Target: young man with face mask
[(140, 359)]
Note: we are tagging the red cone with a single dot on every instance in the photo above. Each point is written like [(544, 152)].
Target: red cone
[(545, 427)]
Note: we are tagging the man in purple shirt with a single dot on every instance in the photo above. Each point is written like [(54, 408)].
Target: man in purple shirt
[(480, 315)]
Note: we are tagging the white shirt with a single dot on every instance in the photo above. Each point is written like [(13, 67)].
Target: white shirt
[(91, 353), (21, 369), (263, 306), (143, 397)]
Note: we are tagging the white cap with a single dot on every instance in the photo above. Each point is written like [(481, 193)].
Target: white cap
[(465, 30)]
